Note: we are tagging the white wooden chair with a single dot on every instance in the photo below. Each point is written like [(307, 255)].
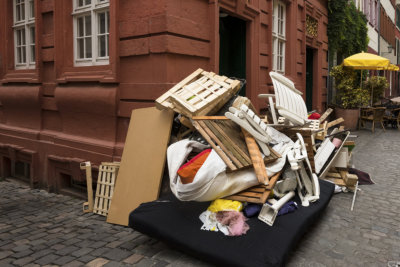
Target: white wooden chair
[(288, 102)]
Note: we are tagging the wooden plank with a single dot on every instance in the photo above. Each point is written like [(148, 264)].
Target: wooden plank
[(88, 206), (227, 152), (227, 142), (256, 158), (325, 115), (234, 145), (335, 122), (336, 181), (264, 191), (209, 118), (351, 179), (218, 150), (142, 165)]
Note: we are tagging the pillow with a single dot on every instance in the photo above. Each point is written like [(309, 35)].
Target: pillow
[(188, 171)]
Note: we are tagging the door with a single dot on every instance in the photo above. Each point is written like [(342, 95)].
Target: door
[(232, 48), (309, 77)]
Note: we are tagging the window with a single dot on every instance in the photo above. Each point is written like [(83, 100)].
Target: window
[(398, 51), (279, 36), (91, 32), (24, 34), (398, 18)]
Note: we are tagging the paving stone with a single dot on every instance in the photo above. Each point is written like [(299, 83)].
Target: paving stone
[(116, 254), (74, 263), (97, 262), (63, 260), (22, 254), (81, 252), (23, 261), (112, 264), (5, 254), (66, 250), (47, 259), (42, 253), (133, 259), (86, 258)]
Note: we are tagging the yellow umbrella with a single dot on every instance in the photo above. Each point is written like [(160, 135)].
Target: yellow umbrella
[(392, 67), (366, 61)]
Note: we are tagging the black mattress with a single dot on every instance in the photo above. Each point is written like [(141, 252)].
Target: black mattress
[(177, 224)]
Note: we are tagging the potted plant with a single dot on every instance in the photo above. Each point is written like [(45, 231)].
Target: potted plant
[(376, 85), (349, 95)]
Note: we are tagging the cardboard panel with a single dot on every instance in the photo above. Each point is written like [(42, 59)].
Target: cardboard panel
[(142, 162)]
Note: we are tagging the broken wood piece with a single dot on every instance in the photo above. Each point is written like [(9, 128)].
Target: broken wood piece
[(186, 122), (256, 194), (217, 149), (351, 179), (227, 140), (335, 122), (325, 115), (256, 158), (88, 206)]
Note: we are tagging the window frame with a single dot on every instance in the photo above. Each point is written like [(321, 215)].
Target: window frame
[(25, 24), (279, 36), (94, 9)]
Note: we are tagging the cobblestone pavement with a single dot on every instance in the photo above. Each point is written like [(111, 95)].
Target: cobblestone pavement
[(39, 228)]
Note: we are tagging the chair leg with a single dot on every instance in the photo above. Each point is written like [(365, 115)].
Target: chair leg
[(383, 127), (373, 126)]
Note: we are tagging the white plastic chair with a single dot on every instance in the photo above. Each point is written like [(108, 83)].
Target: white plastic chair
[(288, 101)]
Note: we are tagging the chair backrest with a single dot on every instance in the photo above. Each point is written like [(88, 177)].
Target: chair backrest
[(379, 112), (288, 99)]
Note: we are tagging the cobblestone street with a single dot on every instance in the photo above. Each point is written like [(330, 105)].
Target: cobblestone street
[(39, 228)]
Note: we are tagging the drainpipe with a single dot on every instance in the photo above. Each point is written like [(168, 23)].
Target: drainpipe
[(379, 27)]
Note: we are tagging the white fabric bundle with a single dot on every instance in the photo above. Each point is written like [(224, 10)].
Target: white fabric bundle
[(212, 181)]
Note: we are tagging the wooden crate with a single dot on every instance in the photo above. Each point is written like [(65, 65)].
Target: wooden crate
[(200, 93), (105, 187), (256, 194), (227, 140)]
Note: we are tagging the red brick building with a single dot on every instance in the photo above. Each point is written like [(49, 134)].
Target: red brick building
[(71, 71)]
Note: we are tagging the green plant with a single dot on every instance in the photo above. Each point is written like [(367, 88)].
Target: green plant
[(376, 85), (348, 92), (347, 28)]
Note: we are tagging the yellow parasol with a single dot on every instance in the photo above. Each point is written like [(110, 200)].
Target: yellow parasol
[(366, 61), (392, 67)]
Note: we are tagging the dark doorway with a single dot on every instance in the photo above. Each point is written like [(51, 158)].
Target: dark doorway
[(232, 48), (309, 77)]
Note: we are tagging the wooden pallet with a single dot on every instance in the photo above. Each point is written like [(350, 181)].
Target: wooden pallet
[(341, 177), (227, 140), (200, 93), (105, 187), (256, 194)]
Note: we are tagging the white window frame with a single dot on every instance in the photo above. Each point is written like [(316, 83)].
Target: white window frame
[(279, 36), (26, 24), (93, 9)]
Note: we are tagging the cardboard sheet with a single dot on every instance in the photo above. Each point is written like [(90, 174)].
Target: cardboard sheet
[(142, 162)]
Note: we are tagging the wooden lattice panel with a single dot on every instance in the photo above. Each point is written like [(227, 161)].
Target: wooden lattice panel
[(105, 187), (227, 140), (256, 194), (200, 93)]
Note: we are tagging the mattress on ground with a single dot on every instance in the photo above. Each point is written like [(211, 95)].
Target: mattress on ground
[(177, 224)]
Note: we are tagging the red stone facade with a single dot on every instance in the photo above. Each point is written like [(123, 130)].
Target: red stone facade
[(57, 115)]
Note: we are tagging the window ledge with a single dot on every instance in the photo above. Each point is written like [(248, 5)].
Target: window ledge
[(104, 76)]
